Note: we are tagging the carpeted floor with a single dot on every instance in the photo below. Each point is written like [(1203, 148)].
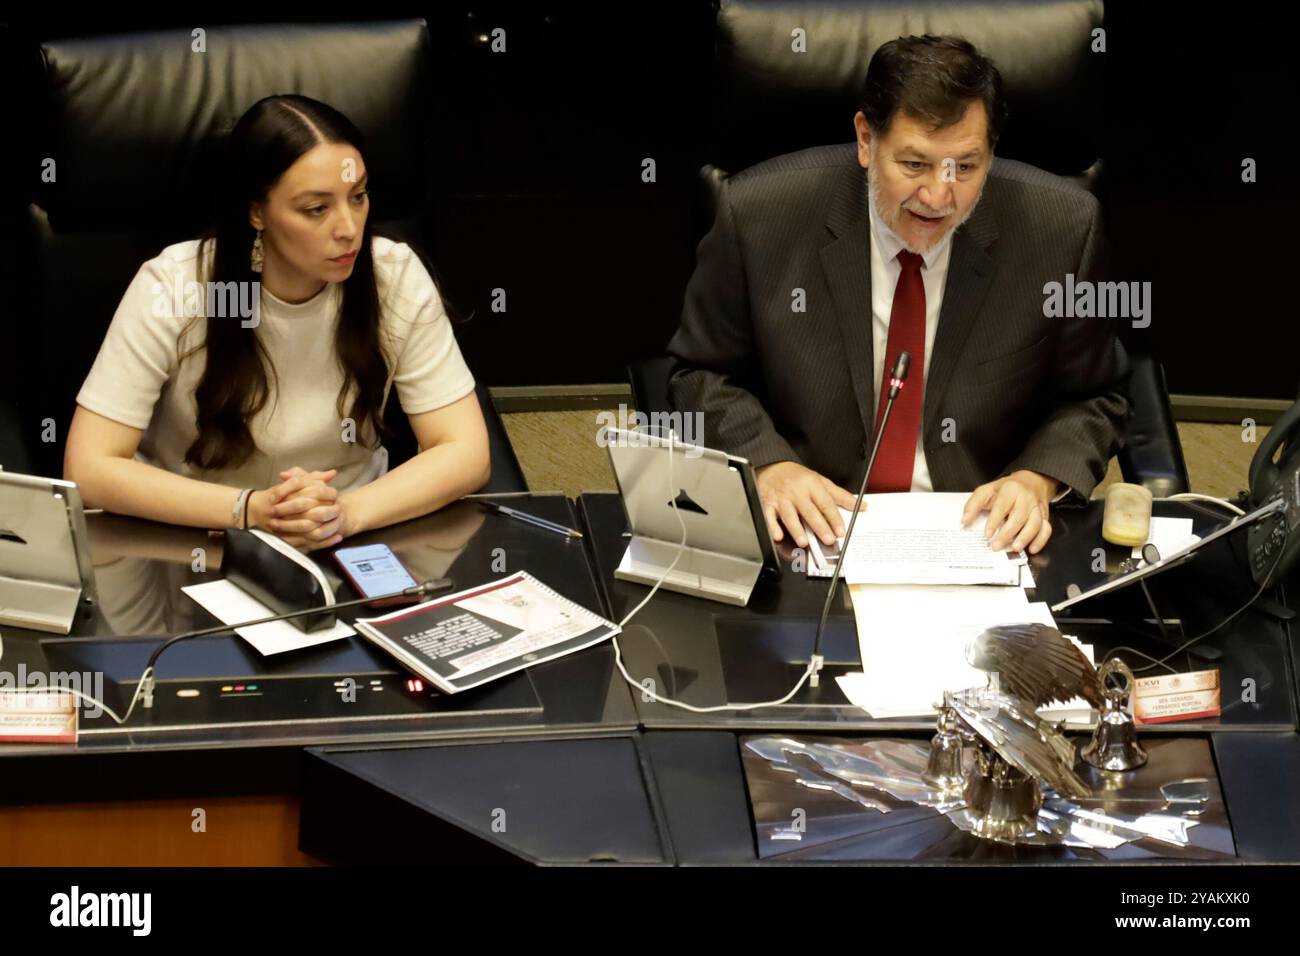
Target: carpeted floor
[(558, 452)]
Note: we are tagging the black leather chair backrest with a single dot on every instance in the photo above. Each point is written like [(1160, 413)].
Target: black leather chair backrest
[(1152, 454), (133, 122), (773, 100), (134, 117)]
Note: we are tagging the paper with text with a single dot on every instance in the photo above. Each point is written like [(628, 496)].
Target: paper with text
[(917, 538), (912, 640)]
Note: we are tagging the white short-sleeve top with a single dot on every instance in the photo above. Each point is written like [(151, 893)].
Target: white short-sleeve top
[(144, 378)]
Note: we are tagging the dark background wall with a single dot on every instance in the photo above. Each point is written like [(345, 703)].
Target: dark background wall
[(535, 177), (1191, 91)]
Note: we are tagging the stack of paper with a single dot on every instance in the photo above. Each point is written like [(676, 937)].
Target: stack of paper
[(913, 641), (923, 587), (914, 539)]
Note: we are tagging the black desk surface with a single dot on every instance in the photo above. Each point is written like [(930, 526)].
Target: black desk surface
[(141, 567), (695, 808), (675, 796), (540, 801), (708, 654)]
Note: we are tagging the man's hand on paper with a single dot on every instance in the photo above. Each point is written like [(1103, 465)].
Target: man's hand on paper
[(303, 510), (793, 496), (1018, 510)]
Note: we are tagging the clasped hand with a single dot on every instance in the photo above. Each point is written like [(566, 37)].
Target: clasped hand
[(304, 510)]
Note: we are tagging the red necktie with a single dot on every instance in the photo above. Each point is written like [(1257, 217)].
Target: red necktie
[(893, 468)]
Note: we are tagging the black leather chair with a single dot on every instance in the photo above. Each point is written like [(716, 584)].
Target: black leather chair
[(13, 450), (771, 100), (132, 121)]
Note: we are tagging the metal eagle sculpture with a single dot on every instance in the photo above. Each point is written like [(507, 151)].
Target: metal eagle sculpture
[(1036, 664)]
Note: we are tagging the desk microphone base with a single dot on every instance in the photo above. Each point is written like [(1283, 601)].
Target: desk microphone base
[(763, 658)]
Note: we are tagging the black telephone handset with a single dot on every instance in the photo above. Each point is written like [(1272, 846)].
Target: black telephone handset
[(1270, 481)]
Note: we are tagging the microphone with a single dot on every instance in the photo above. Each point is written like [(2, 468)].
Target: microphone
[(899, 375), (897, 378), (146, 686)]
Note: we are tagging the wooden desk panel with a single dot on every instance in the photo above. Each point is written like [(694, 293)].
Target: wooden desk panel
[(239, 831)]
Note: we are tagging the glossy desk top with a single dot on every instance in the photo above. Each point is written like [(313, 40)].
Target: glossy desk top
[(706, 653), (141, 566)]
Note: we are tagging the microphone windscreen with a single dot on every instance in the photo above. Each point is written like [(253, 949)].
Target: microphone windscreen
[(900, 367)]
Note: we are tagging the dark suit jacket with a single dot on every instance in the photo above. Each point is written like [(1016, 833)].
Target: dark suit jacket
[(1021, 390)]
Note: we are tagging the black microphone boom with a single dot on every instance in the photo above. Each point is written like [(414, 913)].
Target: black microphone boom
[(146, 689), (896, 379)]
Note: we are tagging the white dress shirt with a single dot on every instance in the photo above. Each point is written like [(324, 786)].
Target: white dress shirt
[(885, 270)]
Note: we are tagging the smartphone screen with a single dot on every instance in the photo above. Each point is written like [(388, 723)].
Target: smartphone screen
[(374, 569)]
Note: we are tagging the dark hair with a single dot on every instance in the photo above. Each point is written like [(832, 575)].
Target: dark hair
[(267, 140), (931, 79)]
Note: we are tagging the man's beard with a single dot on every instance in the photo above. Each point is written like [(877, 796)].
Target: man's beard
[(873, 192)]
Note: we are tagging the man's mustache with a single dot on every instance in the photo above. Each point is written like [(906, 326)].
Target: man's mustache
[(918, 207)]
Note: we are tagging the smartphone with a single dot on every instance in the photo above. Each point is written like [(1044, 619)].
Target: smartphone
[(373, 569)]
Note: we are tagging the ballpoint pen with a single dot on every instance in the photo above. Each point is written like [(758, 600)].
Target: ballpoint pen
[(531, 519)]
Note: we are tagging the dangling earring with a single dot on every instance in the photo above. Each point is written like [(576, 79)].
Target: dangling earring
[(255, 260)]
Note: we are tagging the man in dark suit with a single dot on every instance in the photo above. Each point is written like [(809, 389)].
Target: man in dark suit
[(814, 278)]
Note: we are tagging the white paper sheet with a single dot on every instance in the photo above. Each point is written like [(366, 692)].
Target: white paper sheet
[(909, 538), (1169, 535), (230, 604), (912, 640)]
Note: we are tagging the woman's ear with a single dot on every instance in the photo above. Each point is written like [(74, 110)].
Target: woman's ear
[(255, 216)]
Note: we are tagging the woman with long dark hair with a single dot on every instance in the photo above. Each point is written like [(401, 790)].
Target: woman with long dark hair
[(243, 379)]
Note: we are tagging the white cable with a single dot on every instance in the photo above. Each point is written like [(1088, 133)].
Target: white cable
[(681, 545), (618, 651), (1193, 496), (148, 674)]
